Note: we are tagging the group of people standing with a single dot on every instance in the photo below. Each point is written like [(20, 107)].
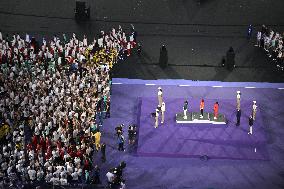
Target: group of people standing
[(272, 43), (252, 116), (54, 97), (161, 108), (201, 106)]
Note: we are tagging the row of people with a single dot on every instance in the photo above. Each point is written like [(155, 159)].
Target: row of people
[(272, 43)]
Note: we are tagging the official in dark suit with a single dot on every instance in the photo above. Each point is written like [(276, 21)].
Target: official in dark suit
[(239, 113), (250, 125)]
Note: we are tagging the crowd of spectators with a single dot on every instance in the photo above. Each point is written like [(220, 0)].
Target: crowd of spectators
[(272, 43), (54, 97)]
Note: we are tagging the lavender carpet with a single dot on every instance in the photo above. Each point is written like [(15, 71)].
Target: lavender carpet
[(195, 140), (155, 172)]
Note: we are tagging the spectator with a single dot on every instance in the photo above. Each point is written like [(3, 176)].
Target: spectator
[(41, 81), (272, 42), (97, 136)]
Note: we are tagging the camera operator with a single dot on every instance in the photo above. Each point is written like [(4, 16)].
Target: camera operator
[(131, 134), (119, 129)]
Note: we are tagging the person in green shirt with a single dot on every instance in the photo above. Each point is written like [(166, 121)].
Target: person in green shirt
[(94, 126)]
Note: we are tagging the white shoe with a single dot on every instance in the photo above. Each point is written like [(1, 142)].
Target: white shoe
[(162, 122), (201, 116), (215, 117)]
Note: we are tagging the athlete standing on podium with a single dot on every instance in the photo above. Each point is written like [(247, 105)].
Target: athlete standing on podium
[(201, 108), (216, 108)]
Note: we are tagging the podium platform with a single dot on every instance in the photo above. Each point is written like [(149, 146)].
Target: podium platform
[(194, 117)]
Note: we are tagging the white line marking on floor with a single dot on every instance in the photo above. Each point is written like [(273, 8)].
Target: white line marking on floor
[(150, 84), (116, 83), (184, 85), (281, 88), (217, 86), (250, 87)]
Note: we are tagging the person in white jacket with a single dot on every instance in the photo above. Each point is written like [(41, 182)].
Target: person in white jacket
[(157, 118), (238, 100), (160, 96), (163, 109), (254, 106)]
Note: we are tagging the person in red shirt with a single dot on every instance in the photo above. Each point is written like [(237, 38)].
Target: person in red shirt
[(34, 139), (58, 144), (47, 142), (201, 108), (38, 148), (29, 147), (42, 143), (216, 108), (72, 153), (62, 153), (48, 153), (87, 164), (79, 153)]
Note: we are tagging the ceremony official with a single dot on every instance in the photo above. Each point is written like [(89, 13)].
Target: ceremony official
[(238, 117), (238, 100), (216, 109), (160, 96), (163, 110), (250, 125), (157, 118), (254, 106), (201, 108)]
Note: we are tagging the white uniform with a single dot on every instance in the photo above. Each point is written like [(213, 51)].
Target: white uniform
[(160, 97), (238, 101), (254, 106), (163, 108), (156, 118)]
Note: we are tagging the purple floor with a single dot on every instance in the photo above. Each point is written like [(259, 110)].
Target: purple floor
[(155, 171), (195, 140)]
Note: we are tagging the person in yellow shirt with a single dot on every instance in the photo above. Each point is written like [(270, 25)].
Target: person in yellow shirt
[(97, 136)]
